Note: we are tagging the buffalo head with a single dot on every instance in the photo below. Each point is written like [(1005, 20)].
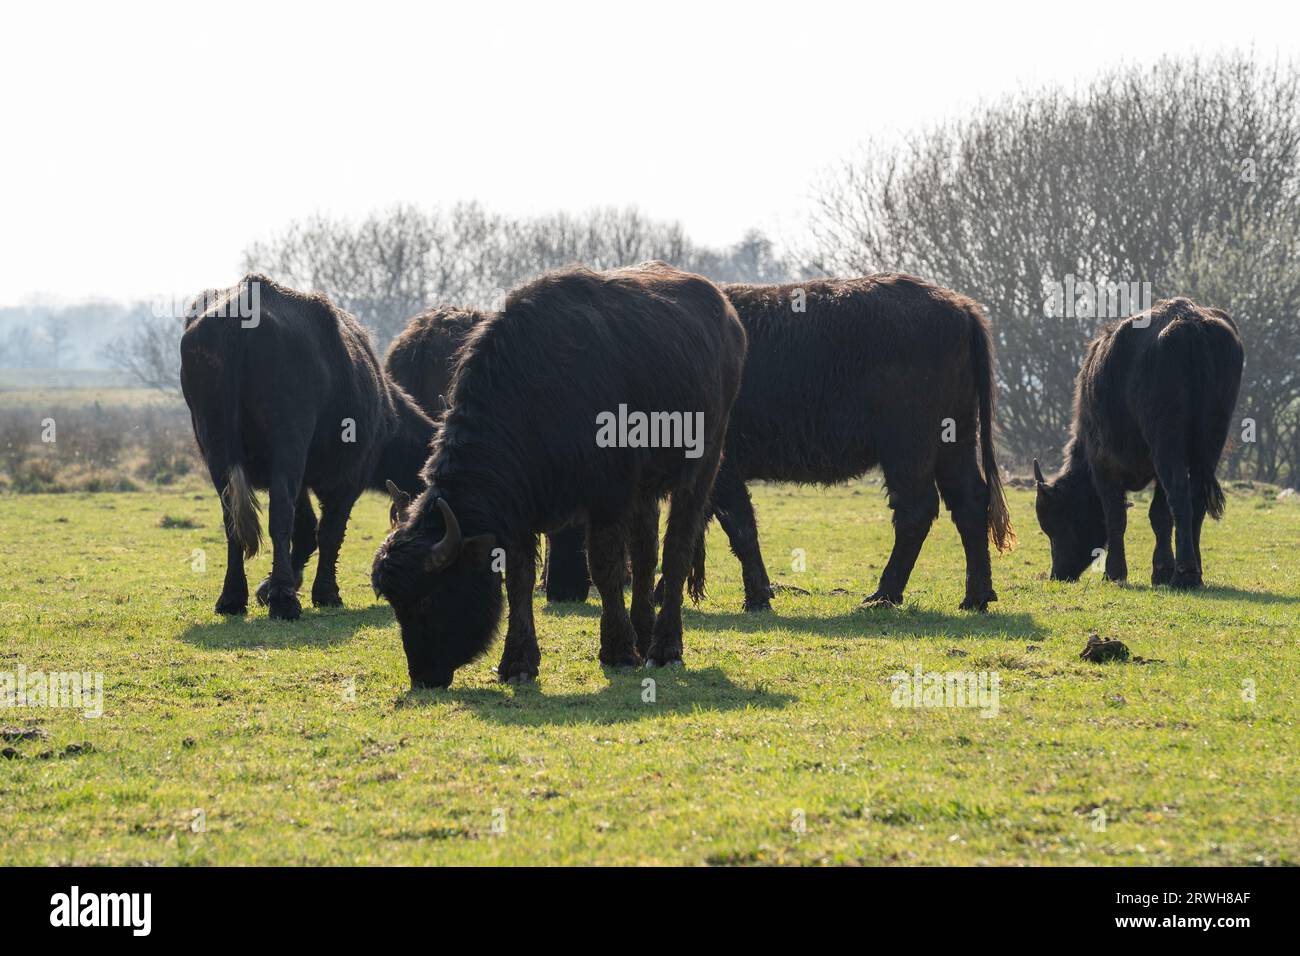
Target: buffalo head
[(1069, 512), (441, 586)]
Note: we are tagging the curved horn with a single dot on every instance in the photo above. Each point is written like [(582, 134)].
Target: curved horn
[(446, 550), (1038, 473)]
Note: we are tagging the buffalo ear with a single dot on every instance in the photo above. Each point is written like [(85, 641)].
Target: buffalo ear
[(477, 551), (400, 502), (1046, 493)]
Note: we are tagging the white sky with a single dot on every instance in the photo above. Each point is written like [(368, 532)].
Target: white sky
[(143, 145)]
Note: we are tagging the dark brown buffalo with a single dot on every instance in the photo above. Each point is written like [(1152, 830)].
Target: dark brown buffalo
[(421, 360), (846, 374), (842, 375), (289, 396), (423, 357), (1153, 400), (519, 453)]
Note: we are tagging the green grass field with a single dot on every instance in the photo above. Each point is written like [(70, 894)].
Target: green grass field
[(247, 741)]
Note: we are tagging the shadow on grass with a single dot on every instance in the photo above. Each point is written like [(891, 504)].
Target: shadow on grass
[(316, 628), (676, 691), (575, 608), (908, 621), (1236, 594)]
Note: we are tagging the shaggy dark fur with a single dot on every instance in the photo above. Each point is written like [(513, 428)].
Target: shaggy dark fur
[(269, 404), (421, 360), (423, 357), (870, 373), (517, 455), (1149, 403)]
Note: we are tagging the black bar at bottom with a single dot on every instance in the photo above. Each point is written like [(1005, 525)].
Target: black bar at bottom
[(333, 905)]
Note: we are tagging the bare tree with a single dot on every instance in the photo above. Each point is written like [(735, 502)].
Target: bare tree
[(57, 333), (394, 264), (20, 348), (1256, 277), (390, 265), (150, 352), (1106, 186)]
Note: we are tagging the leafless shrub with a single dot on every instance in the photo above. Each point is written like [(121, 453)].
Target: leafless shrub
[(97, 447), (1122, 181)]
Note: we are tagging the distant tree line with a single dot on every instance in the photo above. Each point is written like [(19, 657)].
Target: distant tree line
[(49, 337), (391, 265)]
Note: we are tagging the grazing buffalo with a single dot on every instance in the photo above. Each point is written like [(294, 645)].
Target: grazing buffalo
[(288, 396), (421, 360), (423, 357), (590, 397), (1153, 400), (845, 374)]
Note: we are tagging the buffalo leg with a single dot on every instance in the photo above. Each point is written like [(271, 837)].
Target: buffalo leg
[(282, 592), (606, 546), (735, 511), (334, 512), (1115, 513), (522, 658), (566, 565), (643, 539), (301, 546), (915, 503), (966, 495), (234, 591), (686, 513), (1200, 505), (1162, 524), (1171, 468), (304, 534)]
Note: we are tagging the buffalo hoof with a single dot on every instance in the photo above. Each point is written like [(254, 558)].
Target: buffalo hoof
[(621, 660), (516, 672), (264, 589), (1185, 581), (757, 606), (664, 659), (881, 599), (326, 599), (618, 641), (233, 605), (285, 607), (1162, 575), (980, 603)]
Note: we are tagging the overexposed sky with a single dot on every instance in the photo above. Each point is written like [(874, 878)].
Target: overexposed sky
[(144, 145)]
